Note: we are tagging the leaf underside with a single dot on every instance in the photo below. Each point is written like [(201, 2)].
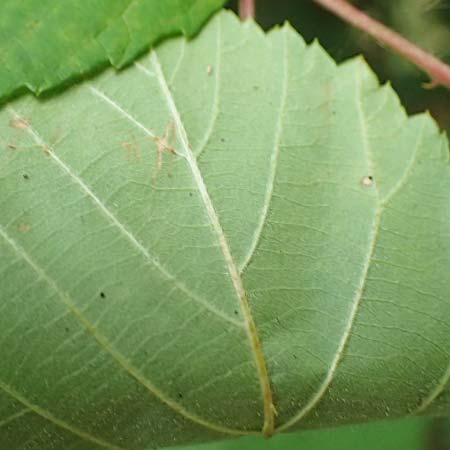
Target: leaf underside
[(45, 44), (234, 234)]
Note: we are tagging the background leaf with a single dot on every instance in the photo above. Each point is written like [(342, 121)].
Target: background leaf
[(44, 44), (406, 434), (184, 243)]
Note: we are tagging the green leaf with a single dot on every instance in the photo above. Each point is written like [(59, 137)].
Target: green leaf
[(44, 44), (404, 434), (233, 235)]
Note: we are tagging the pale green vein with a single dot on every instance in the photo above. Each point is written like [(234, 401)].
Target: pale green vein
[(179, 60), (51, 418), (356, 302), (402, 181), (105, 345), (382, 203), (216, 96), (13, 417), (315, 399), (273, 160), (435, 392), (252, 333), (119, 225), (102, 95)]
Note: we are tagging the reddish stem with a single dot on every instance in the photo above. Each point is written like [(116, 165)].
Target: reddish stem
[(438, 71), (246, 9)]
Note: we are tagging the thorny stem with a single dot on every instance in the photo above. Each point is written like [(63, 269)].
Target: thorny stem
[(438, 71), (246, 9)]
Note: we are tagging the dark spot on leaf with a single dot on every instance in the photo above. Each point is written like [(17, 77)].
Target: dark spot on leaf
[(26, 176), (67, 329), (180, 395), (12, 147), (255, 88), (102, 295), (190, 194), (222, 140), (235, 311), (294, 356)]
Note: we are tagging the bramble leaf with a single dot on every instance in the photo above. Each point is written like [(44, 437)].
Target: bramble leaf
[(234, 235)]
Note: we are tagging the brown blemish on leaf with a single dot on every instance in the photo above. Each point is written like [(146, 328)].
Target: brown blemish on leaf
[(12, 147), (19, 123), (46, 150), (367, 181), (24, 227), (132, 149), (163, 144)]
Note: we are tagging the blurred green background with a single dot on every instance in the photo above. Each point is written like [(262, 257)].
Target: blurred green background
[(425, 22)]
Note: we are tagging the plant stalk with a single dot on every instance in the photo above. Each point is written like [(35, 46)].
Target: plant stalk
[(438, 71), (246, 9)]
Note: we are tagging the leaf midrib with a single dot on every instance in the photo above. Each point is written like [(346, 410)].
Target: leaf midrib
[(255, 344)]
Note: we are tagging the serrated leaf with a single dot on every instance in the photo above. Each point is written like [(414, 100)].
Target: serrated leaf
[(44, 44), (233, 235)]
